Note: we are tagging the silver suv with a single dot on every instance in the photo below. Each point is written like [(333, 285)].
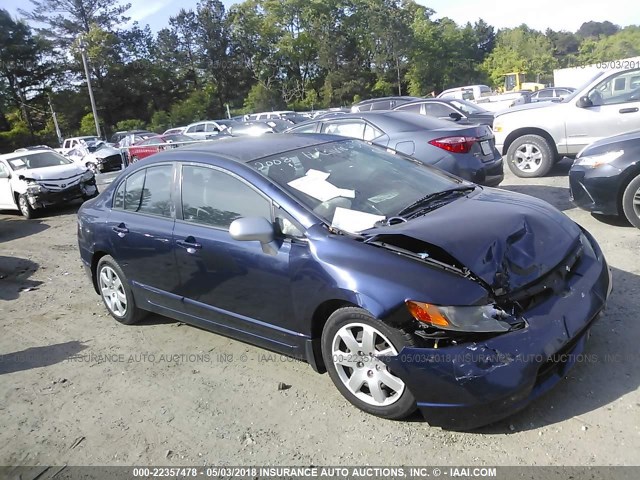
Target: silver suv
[(534, 136)]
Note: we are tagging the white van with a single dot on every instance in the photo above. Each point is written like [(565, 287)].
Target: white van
[(470, 92)]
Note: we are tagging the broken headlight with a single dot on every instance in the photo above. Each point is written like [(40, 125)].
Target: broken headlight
[(480, 319), (34, 188)]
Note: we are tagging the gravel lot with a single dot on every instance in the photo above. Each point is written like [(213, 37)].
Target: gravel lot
[(163, 393)]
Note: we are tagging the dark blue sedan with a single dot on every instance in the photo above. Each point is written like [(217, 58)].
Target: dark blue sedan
[(411, 287)]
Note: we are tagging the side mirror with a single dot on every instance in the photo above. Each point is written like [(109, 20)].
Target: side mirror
[(255, 229), (584, 102), (455, 116)]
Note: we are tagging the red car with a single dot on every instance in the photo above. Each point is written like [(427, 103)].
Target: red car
[(152, 145)]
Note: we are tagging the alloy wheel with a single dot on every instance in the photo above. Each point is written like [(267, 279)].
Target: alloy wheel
[(24, 206), (112, 291), (355, 351), (528, 157)]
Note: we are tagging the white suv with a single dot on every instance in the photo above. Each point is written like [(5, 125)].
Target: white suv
[(533, 136)]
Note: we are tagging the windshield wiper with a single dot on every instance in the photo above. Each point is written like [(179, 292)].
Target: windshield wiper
[(428, 200)]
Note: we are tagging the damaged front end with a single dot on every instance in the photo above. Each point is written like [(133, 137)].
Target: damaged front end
[(41, 193), (473, 365)]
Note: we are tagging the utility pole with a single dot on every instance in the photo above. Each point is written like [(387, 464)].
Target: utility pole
[(55, 121), (86, 72)]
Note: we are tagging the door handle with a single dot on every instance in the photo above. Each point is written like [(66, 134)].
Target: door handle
[(628, 110), (121, 230), (189, 244)]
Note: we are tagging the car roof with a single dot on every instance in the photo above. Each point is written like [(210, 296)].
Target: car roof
[(247, 149), (396, 121), (381, 99)]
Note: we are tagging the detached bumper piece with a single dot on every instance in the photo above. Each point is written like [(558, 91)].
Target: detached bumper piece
[(466, 386), (111, 163)]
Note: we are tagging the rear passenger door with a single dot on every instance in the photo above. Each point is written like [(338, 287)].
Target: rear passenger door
[(141, 228)]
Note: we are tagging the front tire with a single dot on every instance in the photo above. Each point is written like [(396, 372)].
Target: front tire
[(351, 341), (631, 202), (116, 293), (26, 210), (530, 156)]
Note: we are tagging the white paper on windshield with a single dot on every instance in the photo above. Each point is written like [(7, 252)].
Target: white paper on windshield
[(315, 184), (18, 162), (354, 221), (383, 197)]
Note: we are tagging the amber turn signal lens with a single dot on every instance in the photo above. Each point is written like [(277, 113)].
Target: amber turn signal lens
[(427, 313)]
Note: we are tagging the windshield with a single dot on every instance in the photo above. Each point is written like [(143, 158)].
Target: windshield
[(38, 160), (351, 184), (467, 107), (573, 94)]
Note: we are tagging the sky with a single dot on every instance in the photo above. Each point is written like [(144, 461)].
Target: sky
[(538, 14)]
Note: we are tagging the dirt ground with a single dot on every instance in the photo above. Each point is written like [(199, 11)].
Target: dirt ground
[(78, 388)]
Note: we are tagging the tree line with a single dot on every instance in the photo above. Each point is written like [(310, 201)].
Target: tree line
[(258, 55)]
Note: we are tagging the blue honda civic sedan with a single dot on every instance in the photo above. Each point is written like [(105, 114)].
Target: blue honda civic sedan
[(412, 288)]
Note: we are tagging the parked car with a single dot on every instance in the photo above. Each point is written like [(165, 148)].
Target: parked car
[(264, 116), (252, 129), (411, 287), (383, 103), (449, 109), (98, 157), (119, 136), (156, 144), (553, 94), (73, 142), (205, 130), (464, 150), (175, 130), (605, 177), (533, 137), (35, 179)]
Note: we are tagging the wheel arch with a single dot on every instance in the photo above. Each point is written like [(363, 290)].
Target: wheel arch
[(628, 177), (520, 132), (95, 259)]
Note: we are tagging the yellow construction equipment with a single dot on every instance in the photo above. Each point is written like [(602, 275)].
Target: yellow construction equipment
[(515, 81)]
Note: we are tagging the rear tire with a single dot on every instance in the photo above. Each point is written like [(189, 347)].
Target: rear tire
[(530, 156), (631, 202), (351, 340), (25, 208), (116, 293)]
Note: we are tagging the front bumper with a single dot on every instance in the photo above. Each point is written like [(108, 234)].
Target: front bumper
[(596, 189), (466, 386), (50, 198)]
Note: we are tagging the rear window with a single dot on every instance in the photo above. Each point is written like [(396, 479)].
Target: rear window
[(405, 122)]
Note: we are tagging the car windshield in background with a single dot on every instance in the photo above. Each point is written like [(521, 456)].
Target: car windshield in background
[(467, 107), (353, 185), (38, 160)]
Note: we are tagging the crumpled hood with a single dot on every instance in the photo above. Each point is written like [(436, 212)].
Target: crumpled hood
[(56, 172), (507, 239)]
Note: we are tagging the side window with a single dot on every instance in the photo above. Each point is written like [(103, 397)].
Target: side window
[(3, 170), (146, 191), (345, 129), (545, 94), (287, 224), (414, 108), (199, 127), (210, 127), (619, 88), (438, 110), (212, 197), (370, 132), (311, 128), (191, 129)]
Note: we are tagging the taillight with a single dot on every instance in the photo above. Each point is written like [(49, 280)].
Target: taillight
[(454, 144)]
